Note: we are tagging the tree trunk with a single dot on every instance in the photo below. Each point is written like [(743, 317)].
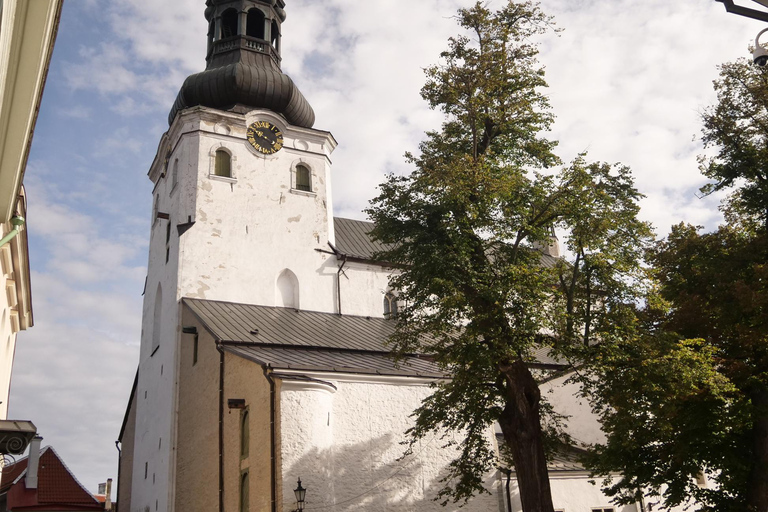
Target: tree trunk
[(757, 490), (521, 426)]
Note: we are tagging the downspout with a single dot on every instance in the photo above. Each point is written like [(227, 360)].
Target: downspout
[(17, 222), (508, 472), (272, 435), (119, 464), (221, 425)]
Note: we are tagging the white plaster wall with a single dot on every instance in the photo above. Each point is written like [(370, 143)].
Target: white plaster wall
[(246, 230), (345, 447), (363, 288), (583, 425), (572, 493), (250, 228)]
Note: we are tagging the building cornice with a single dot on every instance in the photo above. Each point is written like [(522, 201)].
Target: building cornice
[(27, 35)]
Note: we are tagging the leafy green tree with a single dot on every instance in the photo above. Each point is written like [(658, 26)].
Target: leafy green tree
[(688, 392), (737, 127), (467, 229)]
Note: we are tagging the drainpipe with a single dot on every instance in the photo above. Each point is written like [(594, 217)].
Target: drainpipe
[(221, 426), (17, 222), (272, 434), (119, 466), (508, 472)]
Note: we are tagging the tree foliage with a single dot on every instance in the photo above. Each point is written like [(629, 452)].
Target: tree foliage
[(467, 229), (687, 392), (737, 127)]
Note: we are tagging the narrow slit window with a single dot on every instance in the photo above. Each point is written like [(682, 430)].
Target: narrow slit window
[(175, 174), (303, 178), (244, 492), (223, 164), (245, 435)]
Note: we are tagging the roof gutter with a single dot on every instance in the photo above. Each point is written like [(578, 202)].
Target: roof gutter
[(17, 222)]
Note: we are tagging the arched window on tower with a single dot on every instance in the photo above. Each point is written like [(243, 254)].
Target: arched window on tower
[(303, 178), (274, 33), (175, 174), (228, 23), (223, 165), (287, 290), (157, 318), (390, 305), (255, 23)]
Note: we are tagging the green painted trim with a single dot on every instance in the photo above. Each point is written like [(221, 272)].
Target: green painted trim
[(17, 222)]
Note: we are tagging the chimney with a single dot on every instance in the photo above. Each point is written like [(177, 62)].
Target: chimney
[(33, 462), (108, 495)]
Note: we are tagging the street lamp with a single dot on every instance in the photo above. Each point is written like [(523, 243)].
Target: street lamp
[(300, 492), (755, 14)]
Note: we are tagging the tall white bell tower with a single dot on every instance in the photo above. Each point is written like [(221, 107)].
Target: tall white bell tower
[(241, 213)]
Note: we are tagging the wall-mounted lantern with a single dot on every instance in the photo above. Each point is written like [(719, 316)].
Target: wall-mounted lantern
[(300, 493)]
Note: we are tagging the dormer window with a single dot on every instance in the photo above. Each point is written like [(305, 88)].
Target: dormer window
[(223, 164), (228, 23), (255, 23)]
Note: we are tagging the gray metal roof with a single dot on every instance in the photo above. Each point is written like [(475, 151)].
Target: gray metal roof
[(285, 338), (565, 457), (334, 360), (352, 238), (335, 341), (229, 321)]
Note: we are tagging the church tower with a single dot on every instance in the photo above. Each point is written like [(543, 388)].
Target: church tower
[(241, 214)]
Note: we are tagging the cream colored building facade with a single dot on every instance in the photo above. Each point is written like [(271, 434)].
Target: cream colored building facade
[(27, 34)]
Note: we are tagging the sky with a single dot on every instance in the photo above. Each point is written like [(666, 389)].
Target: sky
[(628, 80)]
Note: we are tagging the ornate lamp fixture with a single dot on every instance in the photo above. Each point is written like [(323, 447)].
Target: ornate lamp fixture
[(300, 492), (749, 12)]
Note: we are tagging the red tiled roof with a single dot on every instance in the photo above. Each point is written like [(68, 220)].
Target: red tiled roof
[(56, 486), (11, 473)]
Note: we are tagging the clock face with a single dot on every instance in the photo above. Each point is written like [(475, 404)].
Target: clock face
[(265, 137)]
